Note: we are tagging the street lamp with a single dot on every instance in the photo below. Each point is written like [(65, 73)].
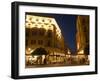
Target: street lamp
[(29, 51), (81, 52)]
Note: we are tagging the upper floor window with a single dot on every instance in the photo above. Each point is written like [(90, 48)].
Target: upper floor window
[(41, 32), (49, 33), (34, 32)]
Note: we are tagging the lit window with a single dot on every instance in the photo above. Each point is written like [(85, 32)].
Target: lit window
[(49, 20), (46, 23)]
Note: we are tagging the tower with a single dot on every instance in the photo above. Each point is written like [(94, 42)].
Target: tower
[(82, 36)]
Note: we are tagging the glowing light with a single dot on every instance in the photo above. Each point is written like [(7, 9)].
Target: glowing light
[(81, 52), (43, 56), (31, 59), (77, 45), (35, 56), (69, 52), (43, 22), (29, 51)]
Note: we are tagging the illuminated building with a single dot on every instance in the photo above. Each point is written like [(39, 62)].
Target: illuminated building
[(44, 32), (82, 36)]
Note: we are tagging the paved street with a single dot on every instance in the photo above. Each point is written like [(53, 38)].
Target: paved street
[(53, 65)]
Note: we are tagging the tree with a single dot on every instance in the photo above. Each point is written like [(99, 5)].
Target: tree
[(39, 52)]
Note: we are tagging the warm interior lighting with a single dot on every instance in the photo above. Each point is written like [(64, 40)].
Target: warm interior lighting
[(69, 52), (77, 45), (35, 56), (81, 52), (32, 59), (29, 51)]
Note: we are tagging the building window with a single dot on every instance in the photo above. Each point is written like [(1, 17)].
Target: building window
[(33, 22), (34, 33), (33, 41), (48, 43), (43, 20), (37, 19), (41, 32), (30, 18), (40, 42), (49, 33)]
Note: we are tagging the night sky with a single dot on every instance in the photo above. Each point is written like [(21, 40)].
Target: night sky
[(67, 24)]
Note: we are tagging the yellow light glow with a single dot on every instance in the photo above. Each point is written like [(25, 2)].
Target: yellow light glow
[(29, 51), (41, 23), (32, 59), (35, 56), (69, 52), (81, 52), (77, 45)]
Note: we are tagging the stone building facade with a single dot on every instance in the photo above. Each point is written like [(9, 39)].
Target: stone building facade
[(44, 32)]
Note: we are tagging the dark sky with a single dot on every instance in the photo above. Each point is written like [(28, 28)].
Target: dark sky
[(67, 24)]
